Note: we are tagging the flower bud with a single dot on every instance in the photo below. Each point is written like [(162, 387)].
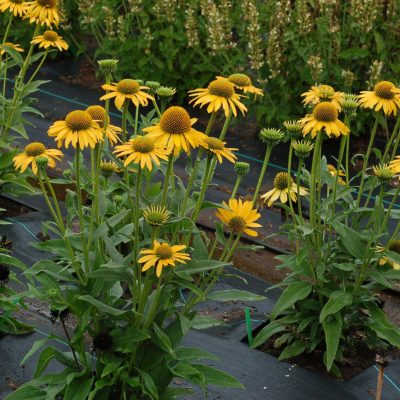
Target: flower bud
[(242, 168), (271, 136), (165, 92), (302, 148), (108, 67)]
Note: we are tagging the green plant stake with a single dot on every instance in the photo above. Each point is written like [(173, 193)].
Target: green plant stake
[(248, 326)]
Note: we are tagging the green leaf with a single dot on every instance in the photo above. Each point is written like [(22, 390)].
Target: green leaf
[(27, 393), (196, 266), (117, 218), (292, 350), (104, 308), (234, 294), (35, 347), (294, 292), (337, 301), (112, 273), (79, 388), (382, 326), (216, 377), (149, 385), (200, 250), (351, 240), (43, 361), (266, 332), (200, 322), (333, 330), (124, 338), (161, 339), (192, 353), (355, 52)]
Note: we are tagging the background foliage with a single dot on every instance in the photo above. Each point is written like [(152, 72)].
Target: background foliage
[(284, 45)]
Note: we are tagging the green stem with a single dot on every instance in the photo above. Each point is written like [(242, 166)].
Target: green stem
[(5, 77), (298, 190), (156, 107), (136, 120), (8, 28), (19, 82), (313, 185), (38, 67), (80, 207), (203, 190), (59, 221), (193, 174), (233, 248), (236, 187), (392, 138), (136, 222), (289, 186), (347, 159), (262, 173), (391, 205), (227, 247), (124, 119), (154, 306), (166, 179), (366, 158), (226, 126), (338, 169)]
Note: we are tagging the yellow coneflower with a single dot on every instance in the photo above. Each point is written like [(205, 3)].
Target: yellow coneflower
[(394, 165), (217, 147), (282, 183), (324, 116), (323, 93), (385, 96), (393, 246), (162, 255), (239, 216), (43, 12), (16, 7), (243, 82), (127, 89), (33, 150), (175, 132), (141, 150), (16, 47), (220, 93), (98, 113), (50, 39), (156, 215), (78, 128), (334, 172)]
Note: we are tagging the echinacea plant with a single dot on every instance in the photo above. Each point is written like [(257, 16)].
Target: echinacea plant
[(345, 250), (130, 265)]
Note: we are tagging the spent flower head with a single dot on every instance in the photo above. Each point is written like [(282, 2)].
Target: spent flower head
[(271, 136), (242, 168)]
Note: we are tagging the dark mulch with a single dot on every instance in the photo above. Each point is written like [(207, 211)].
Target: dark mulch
[(12, 208), (356, 361)]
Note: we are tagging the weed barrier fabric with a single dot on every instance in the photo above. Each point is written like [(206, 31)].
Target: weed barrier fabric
[(22, 231)]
